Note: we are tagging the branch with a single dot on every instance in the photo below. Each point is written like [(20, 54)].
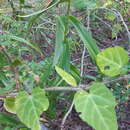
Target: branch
[(117, 13), (103, 21), (66, 115), (84, 49), (66, 88), (117, 79), (123, 22), (72, 88), (51, 88)]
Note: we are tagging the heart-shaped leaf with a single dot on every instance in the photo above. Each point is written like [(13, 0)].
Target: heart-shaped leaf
[(112, 60), (30, 107), (97, 107)]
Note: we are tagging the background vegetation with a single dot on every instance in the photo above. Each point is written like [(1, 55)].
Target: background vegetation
[(64, 64)]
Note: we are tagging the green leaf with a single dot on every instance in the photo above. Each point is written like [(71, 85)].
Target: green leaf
[(30, 107), (22, 40), (9, 104), (16, 62), (44, 77), (8, 120), (65, 60), (75, 72), (97, 107), (115, 30), (41, 11), (66, 76), (8, 86), (8, 128), (22, 1), (59, 47), (86, 37), (23, 129), (3, 60), (112, 60), (34, 16), (84, 3), (62, 47), (110, 16)]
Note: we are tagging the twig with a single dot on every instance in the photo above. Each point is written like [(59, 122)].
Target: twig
[(117, 79), (123, 22), (118, 14), (73, 88), (51, 88), (66, 88), (84, 49), (82, 61), (103, 21), (79, 59), (66, 115)]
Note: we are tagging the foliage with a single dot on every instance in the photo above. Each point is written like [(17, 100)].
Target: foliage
[(111, 61), (5, 119), (84, 3), (59, 47), (86, 37), (101, 103), (67, 77), (9, 104), (34, 105), (30, 73)]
